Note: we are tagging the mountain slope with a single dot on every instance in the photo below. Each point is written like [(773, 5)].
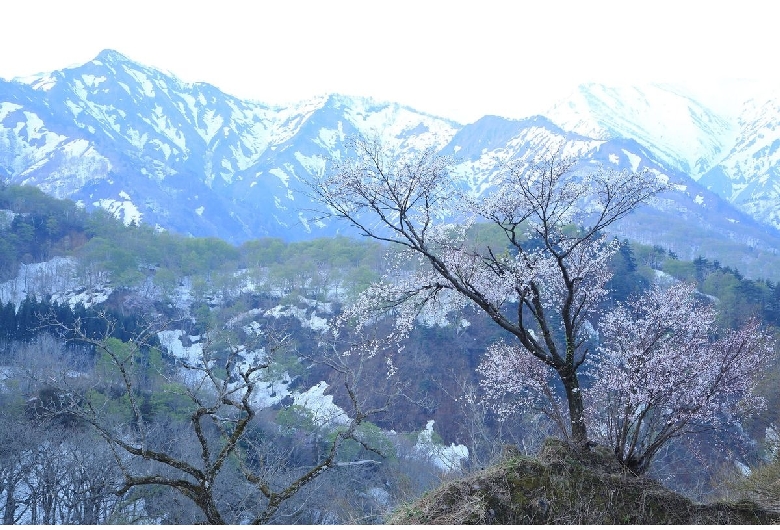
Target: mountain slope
[(131, 139), (749, 175), (734, 153), (688, 219), (186, 157), (680, 131)]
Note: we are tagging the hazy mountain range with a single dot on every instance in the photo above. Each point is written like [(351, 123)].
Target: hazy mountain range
[(187, 157)]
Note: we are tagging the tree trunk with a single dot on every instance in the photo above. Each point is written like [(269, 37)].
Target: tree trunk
[(579, 432), (10, 505), (206, 503)]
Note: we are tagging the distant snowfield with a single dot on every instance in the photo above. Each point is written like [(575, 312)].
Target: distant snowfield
[(447, 458), (56, 277), (324, 412)]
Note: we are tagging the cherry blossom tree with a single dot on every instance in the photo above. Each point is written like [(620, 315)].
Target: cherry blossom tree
[(541, 283), (664, 371)]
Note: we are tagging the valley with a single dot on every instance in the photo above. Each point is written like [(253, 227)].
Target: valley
[(169, 279)]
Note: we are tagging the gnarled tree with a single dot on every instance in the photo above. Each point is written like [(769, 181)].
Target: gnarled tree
[(541, 283), (210, 449)]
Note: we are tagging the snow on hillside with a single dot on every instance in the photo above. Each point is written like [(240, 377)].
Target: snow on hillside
[(324, 412), (56, 277), (268, 392), (447, 458), (311, 321), (123, 210), (681, 131), (171, 340)]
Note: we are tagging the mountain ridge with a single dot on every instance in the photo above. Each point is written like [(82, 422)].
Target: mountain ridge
[(151, 148)]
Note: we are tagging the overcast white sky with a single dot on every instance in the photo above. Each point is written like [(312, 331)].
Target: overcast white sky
[(456, 59)]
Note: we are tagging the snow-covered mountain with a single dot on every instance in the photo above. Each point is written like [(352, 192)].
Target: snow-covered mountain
[(144, 145), (677, 129), (749, 174), (732, 152), (187, 157), (689, 219)]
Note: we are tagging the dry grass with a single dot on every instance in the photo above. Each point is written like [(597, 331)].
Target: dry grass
[(558, 487)]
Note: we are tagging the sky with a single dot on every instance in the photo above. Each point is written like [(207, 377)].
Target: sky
[(456, 59)]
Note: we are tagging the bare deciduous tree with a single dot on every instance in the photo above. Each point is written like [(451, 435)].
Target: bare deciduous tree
[(215, 456)]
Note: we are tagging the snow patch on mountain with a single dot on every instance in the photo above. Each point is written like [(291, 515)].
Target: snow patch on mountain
[(32, 125), (679, 130), (124, 210), (315, 165), (447, 458), (142, 79), (281, 175), (6, 107), (43, 82), (93, 81), (324, 412), (330, 138), (634, 159)]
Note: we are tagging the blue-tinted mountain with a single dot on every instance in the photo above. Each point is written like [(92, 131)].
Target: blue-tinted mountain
[(152, 149)]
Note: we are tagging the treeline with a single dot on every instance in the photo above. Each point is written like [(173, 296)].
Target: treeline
[(133, 254), (34, 227), (34, 317), (738, 298)]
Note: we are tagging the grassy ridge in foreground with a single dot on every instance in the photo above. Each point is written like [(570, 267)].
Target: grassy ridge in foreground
[(559, 488)]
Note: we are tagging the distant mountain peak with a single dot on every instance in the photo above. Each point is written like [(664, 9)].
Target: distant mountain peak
[(132, 139), (111, 56), (684, 133)]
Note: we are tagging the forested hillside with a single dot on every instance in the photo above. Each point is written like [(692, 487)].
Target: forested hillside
[(109, 332)]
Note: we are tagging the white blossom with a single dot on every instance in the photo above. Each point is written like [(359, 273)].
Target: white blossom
[(541, 281), (661, 373)]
